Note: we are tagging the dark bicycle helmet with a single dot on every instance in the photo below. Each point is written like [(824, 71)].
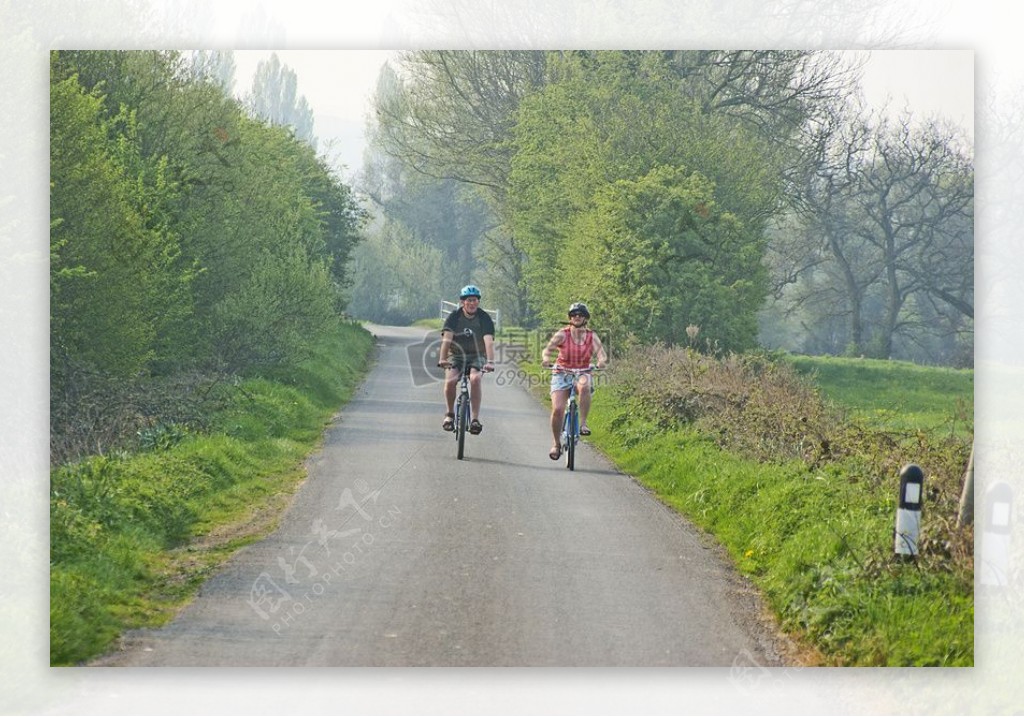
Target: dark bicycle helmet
[(469, 290), (579, 308)]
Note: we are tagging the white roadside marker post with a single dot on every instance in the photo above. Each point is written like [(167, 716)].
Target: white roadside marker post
[(995, 536), (908, 515)]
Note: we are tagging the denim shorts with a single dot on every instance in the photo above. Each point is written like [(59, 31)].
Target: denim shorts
[(563, 381)]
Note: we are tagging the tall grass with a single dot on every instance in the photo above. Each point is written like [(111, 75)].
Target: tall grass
[(120, 523)]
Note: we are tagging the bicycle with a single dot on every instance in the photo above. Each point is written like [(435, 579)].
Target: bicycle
[(462, 411), (571, 420), (462, 404)]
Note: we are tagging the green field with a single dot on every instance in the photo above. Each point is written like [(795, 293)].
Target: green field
[(894, 394)]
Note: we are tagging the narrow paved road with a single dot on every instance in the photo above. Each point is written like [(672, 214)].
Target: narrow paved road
[(396, 553)]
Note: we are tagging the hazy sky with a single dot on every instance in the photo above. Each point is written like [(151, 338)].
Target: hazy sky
[(338, 85), (927, 82)]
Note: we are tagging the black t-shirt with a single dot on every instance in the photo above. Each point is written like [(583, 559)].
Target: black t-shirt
[(481, 325)]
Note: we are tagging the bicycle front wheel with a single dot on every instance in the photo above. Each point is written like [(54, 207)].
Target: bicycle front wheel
[(572, 430), (462, 421)]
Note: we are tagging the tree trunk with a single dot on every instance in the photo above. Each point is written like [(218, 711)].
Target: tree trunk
[(966, 513)]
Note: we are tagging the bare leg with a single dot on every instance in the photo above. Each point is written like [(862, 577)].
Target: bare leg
[(559, 399), (583, 391), (450, 380), (475, 395)]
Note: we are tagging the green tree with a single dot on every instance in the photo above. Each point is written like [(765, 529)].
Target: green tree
[(436, 211), (275, 313), (397, 278), (456, 116), (115, 271), (275, 98), (611, 134), (232, 189), (187, 238), (270, 213), (450, 119), (661, 256)]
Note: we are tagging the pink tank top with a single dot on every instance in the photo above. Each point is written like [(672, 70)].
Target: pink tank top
[(573, 355)]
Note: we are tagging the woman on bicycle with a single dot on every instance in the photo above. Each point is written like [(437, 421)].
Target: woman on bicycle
[(457, 348), (577, 348)]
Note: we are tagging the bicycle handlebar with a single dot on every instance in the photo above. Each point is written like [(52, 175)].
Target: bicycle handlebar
[(562, 369), (466, 366)]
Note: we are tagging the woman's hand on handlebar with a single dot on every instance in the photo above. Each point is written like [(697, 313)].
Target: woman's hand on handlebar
[(576, 371)]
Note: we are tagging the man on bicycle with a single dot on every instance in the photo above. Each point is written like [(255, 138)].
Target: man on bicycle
[(577, 347), (459, 348)]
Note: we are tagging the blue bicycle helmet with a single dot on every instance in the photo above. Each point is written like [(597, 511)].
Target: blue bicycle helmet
[(469, 290)]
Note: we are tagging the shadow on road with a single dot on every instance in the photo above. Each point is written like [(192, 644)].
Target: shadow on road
[(558, 465)]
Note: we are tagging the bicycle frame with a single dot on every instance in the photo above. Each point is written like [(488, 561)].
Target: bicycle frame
[(462, 410), (571, 419)]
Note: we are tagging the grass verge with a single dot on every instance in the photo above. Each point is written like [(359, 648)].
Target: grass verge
[(817, 539), (133, 535), (817, 545)]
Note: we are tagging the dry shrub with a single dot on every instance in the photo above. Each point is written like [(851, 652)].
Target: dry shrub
[(94, 414), (764, 409), (750, 403)]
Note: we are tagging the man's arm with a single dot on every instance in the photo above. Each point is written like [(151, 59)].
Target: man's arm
[(446, 343), (489, 351)]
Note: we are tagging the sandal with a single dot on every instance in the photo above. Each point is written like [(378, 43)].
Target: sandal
[(555, 453), (475, 427), (584, 431), (449, 422)]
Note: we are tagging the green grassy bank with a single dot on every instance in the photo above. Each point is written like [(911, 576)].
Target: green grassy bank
[(133, 535), (817, 539), (896, 394)]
